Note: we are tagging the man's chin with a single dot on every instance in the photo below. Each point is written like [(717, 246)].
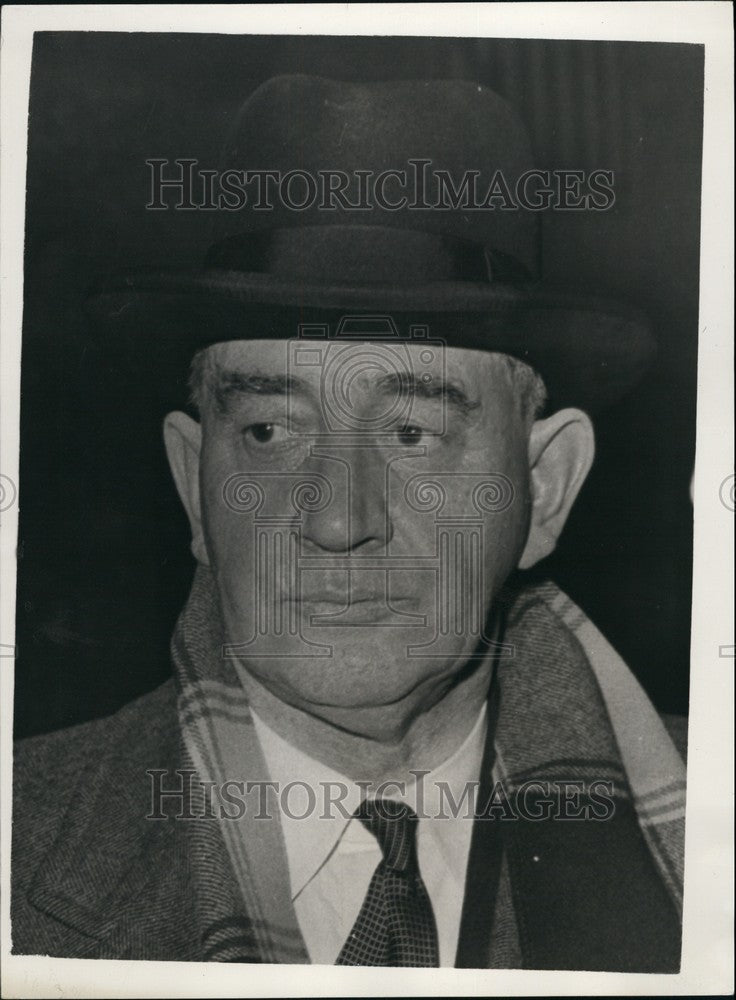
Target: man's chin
[(386, 723), (356, 679)]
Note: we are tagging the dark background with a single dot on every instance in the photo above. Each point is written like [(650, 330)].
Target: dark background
[(104, 565)]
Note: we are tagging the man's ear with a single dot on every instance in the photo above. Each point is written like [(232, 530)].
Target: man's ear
[(183, 440), (561, 450)]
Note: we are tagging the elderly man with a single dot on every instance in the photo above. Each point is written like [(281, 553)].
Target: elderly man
[(381, 745)]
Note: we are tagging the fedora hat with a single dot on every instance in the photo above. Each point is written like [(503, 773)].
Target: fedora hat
[(387, 201)]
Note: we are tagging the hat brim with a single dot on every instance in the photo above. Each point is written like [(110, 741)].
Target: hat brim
[(589, 351)]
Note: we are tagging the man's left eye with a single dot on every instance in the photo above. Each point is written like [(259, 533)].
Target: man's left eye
[(410, 434)]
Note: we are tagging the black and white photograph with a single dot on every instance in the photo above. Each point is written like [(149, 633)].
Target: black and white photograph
[(367, 481)]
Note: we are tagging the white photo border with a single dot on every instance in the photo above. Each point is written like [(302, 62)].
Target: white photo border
[(707, 957)]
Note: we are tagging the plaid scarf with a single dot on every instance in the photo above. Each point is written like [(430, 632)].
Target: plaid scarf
[(567, 708)]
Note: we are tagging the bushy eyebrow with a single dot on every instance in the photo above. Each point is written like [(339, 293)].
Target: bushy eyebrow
[(405, 383), (230, 383)]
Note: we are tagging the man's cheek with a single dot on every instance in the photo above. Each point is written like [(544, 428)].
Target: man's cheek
[(505, 532), (229, 524), (503, 538), (234, 561)]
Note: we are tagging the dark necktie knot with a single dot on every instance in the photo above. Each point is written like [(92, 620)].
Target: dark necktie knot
[(394, 825)]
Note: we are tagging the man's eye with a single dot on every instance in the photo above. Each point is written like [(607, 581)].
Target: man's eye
[(410, 434), (264, 433)]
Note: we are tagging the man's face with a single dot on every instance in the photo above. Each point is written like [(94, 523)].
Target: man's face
[(362, 503)]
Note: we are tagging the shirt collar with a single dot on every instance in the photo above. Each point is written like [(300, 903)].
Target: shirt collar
[(312, 829)]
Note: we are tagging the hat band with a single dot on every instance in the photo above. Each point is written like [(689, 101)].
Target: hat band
[(336, 254)]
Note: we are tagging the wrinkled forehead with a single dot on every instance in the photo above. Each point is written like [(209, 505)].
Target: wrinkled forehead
[(365, 364)]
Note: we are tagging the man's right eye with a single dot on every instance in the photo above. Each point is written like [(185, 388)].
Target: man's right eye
[(265, 433)]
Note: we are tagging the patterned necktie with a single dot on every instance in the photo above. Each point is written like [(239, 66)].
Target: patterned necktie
[(395, 926)]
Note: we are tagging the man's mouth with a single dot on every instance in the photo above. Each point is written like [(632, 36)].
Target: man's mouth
[(357, 609)]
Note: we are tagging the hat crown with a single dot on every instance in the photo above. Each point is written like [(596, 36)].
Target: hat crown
[(459, 275), (449, 138)]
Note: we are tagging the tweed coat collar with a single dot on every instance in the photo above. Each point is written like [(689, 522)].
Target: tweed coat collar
[(113, 878)]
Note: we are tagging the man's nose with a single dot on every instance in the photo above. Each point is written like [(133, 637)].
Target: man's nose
[(357, 516)]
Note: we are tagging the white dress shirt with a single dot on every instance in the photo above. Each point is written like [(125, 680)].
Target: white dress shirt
[(332, 857)]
